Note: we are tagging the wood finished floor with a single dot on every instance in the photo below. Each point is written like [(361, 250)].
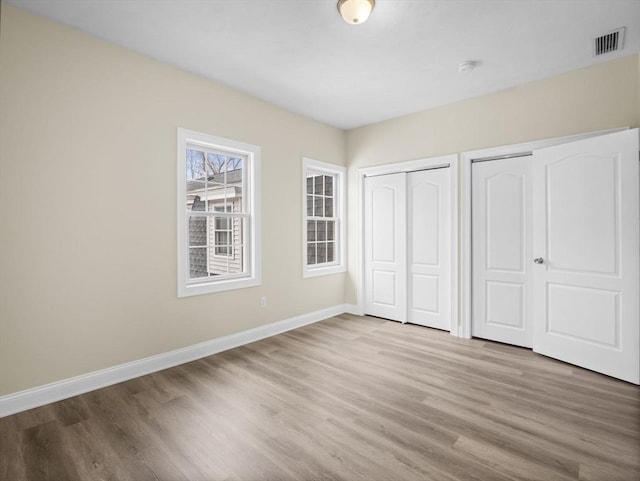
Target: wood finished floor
[(349, 398)]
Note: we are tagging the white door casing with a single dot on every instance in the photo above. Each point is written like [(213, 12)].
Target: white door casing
[(586, 234), (502, 250), (385, 223), (429, 248)]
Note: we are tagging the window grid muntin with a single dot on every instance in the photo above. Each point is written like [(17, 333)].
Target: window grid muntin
[(243, 218), (320, 195), (224, 157)]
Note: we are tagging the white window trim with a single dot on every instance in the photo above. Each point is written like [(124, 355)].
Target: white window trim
[(340, 201), (254, 252)]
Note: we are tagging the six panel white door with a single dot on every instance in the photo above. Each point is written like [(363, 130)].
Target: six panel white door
[(385, 223), (586, 215), (501, 252), (429, 247)]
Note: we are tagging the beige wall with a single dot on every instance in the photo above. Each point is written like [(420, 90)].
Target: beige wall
[(87, 186), (596, 98), (88, 208)]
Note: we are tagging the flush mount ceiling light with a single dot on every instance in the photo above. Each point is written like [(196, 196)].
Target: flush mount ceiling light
[(355, 12)]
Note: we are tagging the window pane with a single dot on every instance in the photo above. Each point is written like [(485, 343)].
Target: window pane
[(197, 231), (221, 223), (234, 198), (309, 205), (331, 230), (194, 204), (234, 176), (234, 163), (311, 230), (215, 167), (330, 250), (198, 262), (318, 211), (218, 265), (321, 255), (196, 191), (215, 194), (222, 242), (309, 185), (322, 230), (328, 185), (238, 226), (195, 165), (318, 184), (328, 207), (311, 253), (236, 259)]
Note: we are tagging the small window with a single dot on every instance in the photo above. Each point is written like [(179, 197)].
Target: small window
[(323, 224), (225, 228), (218, 214)]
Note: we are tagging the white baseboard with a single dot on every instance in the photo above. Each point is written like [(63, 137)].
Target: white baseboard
[(56, 391), (353, 309)]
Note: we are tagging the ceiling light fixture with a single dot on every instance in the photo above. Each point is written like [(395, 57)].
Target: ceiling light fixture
[(355, 12)]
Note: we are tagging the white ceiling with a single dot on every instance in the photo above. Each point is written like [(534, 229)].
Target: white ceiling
[(300, 55)]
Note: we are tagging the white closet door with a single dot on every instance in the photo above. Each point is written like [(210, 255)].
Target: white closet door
[(501, 232), (385, 220), (587, 242), (429, 247)]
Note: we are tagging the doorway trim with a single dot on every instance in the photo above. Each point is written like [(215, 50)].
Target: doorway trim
[(466, 245), (451, 161)]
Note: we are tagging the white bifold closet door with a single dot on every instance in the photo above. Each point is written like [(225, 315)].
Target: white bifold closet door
[(556, 252), (385, 221), (407, 247)]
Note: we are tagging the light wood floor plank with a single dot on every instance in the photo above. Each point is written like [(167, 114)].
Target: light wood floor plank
[(349, 398)]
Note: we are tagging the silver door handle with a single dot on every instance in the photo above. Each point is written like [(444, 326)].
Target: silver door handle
[(538, 260)]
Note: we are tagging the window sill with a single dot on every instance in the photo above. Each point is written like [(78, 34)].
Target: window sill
[(323, 271), (218, 286)]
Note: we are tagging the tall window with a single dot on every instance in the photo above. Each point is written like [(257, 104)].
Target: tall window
[(218, 216), (324, 211)]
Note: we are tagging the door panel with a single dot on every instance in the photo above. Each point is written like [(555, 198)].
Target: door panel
[(425, 219), (384, 204), (385, 223), (577, 217), (501, 232), (584, 314), (426, 293), (505, 304), (587, 230), (429, 251), (504, 198)]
